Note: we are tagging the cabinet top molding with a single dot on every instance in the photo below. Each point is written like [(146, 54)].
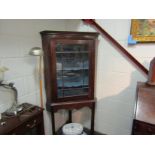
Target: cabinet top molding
[(46, 32)]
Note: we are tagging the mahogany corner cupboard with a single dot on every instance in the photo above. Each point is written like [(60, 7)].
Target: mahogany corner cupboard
[(69, 69)]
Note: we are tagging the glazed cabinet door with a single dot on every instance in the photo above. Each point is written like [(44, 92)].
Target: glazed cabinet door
[(72, 69)]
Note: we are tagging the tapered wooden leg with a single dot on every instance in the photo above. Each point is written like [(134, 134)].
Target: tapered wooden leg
[(70, 116), (53, 122), (40, 129), (92, 119)]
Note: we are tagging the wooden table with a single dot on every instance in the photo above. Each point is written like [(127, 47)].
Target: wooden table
[(27, 122)]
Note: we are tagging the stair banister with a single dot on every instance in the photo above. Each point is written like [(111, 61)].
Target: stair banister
[(115, 43)]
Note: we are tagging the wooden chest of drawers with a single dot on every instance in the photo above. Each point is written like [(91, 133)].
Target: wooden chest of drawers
[(142, 128), (29, 122), (144, 121)]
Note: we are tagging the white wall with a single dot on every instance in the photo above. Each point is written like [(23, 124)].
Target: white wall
[(116, 77), (17, 37)]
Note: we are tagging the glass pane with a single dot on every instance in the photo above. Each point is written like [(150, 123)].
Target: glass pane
[(74, 92), (58, 47), (72, 69), (73, 78), (60, 93), (85, 78), (59, 79), (85, 61), (59, 62), (72, 61), (75, 48)]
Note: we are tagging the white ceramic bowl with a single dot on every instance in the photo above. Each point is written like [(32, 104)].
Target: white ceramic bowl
[(72, 129)]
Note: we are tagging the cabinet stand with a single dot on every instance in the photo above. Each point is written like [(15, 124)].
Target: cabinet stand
[(54, 107)]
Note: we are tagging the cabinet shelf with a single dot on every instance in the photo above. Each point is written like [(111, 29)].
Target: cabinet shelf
[(71, 52), (67, 88), (72, 69)]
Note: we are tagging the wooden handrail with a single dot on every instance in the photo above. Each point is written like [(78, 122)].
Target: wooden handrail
[(115, 43)]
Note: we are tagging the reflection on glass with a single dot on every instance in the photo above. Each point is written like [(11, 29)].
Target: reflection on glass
[(73, 78), (59, 79), (58, 47), (72, 61), (60, 93), (85, 77), (73, 92), (72, 69), (75, 48)]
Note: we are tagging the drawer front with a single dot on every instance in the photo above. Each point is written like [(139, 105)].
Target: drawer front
[(28, 126), (142, 128)]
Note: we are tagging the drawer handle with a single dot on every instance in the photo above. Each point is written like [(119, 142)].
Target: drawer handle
[(33, 125)]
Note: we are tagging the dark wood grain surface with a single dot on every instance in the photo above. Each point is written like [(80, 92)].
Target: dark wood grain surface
[(144, 121), (145, 110), (23, 122)]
